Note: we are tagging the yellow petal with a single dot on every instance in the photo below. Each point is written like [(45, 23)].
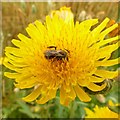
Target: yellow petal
[(108, 30), (50, 95), (83, 82), (24, 85), (95, 87), (24, 77), (14, 58), (8, 65), (17, 43), (66, 87), (108, 62), (81, 94), (43, 100), (24, 39), (96, 79), (107, 50), (106, 74), (40, 27), (1, 60), (110, 102), (88, 111), (11, 75), (21, 44), (26, 81), (104, 42), (64, 13), (33, 32), (100, 27), (72, 93), (17, 64), (87, 24), (15, 51), (33, 95)]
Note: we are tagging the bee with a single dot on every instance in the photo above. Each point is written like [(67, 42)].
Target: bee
[(104, 91), (56, 54)]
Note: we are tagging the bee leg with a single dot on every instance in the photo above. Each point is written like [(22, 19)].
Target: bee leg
[(53, 60), (67, 58), (52, 47)]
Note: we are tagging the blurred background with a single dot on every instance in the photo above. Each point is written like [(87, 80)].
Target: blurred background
[(15, 18)]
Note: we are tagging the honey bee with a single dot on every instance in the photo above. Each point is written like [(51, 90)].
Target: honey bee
[(56, 54), (104, 91)]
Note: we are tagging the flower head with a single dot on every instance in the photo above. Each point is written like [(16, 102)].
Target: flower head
[(101, 112), (61, 55)]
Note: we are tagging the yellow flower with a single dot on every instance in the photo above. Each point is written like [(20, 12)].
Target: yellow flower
[(100, 112), (1, 60), (64, 13), (110, 103), (74, 64)]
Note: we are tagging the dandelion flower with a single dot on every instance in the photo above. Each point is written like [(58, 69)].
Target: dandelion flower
[(1, 60), (80, 53), (100, 112)]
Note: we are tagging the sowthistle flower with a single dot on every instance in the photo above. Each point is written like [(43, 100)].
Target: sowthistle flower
[(74, 62), (101, 112)]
